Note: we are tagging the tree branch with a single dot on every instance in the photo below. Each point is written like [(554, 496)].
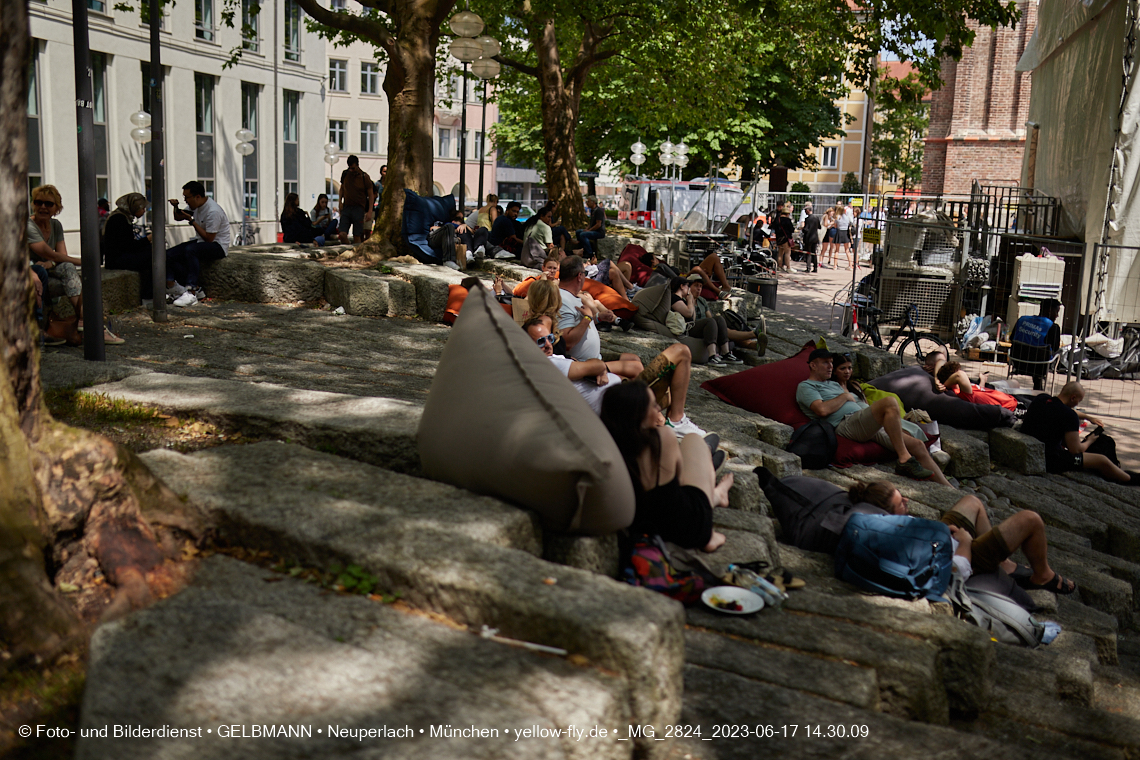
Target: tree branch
[(518, 65), (373, 31)]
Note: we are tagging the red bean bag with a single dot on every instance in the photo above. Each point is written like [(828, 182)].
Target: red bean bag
[(770, 390), (632, 254), (456, 295)]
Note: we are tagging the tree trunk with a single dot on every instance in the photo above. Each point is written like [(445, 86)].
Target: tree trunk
[(77, 490), (410, 85), (561, 101)]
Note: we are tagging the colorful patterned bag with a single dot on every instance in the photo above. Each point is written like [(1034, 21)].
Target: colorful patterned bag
[(650, 567)]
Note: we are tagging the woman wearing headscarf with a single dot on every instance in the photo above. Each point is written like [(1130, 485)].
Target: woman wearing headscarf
[(126, 246)]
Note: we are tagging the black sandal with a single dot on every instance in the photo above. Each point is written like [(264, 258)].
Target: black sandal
[(1058, 584)]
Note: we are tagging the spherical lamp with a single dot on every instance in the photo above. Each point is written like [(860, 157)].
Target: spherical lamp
[(638, 147), (330, 159), (666, 159), (681, 149), (244, 135), (637, 159), (140, 119), (681, 161), (244, 148), (486, 68), (491, 46), (141, 135), (466, 49), (331, 149), (666, 148), (466, 24)]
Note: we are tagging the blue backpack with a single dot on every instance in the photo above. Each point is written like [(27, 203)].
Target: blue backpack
[(895, 555)]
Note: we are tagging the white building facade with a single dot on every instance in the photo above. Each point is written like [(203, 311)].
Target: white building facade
[(357, 118), (276, 90)]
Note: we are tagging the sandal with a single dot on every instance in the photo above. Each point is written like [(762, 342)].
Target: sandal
[(1058, 584)]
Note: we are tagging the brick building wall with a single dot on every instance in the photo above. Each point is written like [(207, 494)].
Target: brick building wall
[(977, 118)]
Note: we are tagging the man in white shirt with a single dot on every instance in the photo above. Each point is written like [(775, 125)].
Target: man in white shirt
[(577, 318), (590, 378), (211, 242)]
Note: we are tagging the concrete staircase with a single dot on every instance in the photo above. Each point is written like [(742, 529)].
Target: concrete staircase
[(247, 646)]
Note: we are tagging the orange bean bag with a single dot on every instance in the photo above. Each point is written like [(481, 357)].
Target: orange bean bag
[(604, 294), (456, 295)]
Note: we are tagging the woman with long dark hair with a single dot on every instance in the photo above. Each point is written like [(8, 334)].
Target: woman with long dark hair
[(322, 218), (841, 371), (296, 225), (674, 480)]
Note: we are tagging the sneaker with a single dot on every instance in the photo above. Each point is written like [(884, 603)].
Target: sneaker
[(175, 290), (716, 361), (625, 324), (684, 427), (186, 299), (451, 265), (731, 358), (47, 340), (110, 339), (912, 469), (199, 293)]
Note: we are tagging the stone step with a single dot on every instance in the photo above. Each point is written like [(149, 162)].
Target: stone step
[(1121, 520), (715, 698), (1011, 448), (120, 293), (263, 278), (970, 457), (431, 283), (379, 431), (243, 646), (368, 293), (908, 670), (443, 549)]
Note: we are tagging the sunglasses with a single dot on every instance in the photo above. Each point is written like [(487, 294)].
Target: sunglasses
[(545, 340), (44, 204)]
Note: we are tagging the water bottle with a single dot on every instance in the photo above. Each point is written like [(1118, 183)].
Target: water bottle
[(772, 596)]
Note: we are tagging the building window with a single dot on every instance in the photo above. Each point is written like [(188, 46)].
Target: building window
[(249, 120), (204, 20), (830, 157), (338, 75), (338, 133), (99, 114), (99, 6), (35, 151), (480, 145), (204, 127), (250, 13), (369, 79), (444, 143), (292, 31), (291, 137), (338, 5), (369, 137)]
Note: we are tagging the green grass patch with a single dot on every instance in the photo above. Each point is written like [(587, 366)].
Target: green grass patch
[(93, 410)]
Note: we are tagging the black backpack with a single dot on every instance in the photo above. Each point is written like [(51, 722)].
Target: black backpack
[(735, 321), (815, 444)]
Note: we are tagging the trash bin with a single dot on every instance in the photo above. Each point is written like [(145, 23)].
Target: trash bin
[(765, 287)]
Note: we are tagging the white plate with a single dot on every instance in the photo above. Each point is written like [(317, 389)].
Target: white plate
[(749, 602)]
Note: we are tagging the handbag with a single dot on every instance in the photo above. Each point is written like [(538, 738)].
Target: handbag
[(650, 567), (676, 323)]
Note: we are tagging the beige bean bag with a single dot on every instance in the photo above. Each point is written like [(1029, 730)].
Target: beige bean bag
[(501, 420)]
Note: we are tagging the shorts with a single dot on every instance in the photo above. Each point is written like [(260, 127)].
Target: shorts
[(830, 237), (352, 220), (862, 427), (1063, 460), (988, 550)]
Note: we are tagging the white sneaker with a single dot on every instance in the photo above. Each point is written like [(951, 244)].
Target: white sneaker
[(684, 426), (186, 299), (175, 291)]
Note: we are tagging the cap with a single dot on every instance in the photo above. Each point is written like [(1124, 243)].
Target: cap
[(694, 278), (819, 353)]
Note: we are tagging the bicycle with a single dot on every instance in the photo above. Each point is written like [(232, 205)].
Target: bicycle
[(913, 350)]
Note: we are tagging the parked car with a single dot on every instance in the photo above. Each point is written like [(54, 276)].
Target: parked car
[(526, 212)]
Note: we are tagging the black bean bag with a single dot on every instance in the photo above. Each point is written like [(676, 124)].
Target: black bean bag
[(916, 389)]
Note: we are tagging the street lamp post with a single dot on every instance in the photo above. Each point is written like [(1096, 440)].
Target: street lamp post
[(667, 158), (466, 25), (637, 158), (244, 148), (141, 134), (331, 158), (485, 68)]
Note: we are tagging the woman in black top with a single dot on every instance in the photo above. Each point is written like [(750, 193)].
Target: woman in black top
[(296, 225), (125, 246), (674, 481)]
